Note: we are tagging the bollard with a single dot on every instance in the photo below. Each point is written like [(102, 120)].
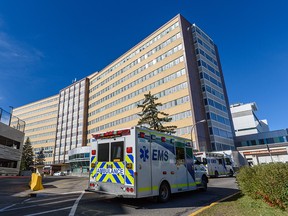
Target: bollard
[(36, 182)]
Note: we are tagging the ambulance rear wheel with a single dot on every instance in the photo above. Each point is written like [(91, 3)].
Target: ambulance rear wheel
[(204, 183), (164, 192), (216, 174)]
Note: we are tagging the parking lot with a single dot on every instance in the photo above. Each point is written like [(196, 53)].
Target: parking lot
[(65, 195)]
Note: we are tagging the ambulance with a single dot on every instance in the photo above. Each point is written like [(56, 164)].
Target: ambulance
[(216, 163), (138, 162)]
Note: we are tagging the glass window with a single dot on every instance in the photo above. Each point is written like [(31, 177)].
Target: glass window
[(117, 153), (103, 152), (180, 155)]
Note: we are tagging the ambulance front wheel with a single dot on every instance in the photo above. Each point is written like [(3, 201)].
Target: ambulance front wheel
[(164, 192)]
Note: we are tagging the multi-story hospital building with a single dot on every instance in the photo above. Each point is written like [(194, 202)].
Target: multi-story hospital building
[(178, 63)]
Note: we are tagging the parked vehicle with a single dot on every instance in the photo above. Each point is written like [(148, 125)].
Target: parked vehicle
[(216, 163), (59, 174), (138, 162)]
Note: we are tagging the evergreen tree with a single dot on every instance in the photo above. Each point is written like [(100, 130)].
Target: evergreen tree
[(27, 156), (40, 158), (150, 115)]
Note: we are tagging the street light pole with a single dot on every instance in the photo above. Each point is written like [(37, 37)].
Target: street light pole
[(192, 128)]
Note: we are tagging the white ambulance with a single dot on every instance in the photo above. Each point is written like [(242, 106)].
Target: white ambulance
[(138, 162), (216, 163)]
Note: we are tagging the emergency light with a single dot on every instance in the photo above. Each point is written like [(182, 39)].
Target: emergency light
[(110, 134)]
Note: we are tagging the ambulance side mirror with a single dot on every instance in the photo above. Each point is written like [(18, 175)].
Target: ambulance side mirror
[(204, 161), (197, 162)]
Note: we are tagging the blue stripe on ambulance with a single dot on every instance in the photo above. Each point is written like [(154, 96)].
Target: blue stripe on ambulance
[(92, 158), (131, 158)]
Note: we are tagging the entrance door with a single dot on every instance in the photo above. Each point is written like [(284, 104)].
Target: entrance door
[(181, 173), (144, 170)]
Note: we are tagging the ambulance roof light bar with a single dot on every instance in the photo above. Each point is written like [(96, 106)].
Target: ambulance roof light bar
[(110, 134)]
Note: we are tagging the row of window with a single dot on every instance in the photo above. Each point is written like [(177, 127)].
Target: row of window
[(213, 91), (211, 79), (8, 163), (136, 82), (71, 119), (215, 104), (170, 40), (156, 38), (42, 141), (38, 110), (72, 100), (207, 66), (218, 118), (41, 128), (72, 95), (175, 102), (34, 105), (206, 46), (69, 135), (42, 135), (75, 87), (180, 116), (40, 122), (69, 112), (220, 132), (155, 72), (42, 115), (182, 131), (175, 117), (47, 148), (144, 89), (212, 60), (221, 147), (167, 105), (79, 156), (263, 141), (200, 32)]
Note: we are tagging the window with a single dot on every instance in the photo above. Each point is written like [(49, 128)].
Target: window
[(117, 153), (103, 152), (180, 155)]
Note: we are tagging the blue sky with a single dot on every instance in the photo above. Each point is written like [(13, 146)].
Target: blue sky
[(45, 44)]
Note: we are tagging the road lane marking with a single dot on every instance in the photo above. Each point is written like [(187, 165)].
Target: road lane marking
[(45, 212), (74, 208), (37, 205), (73, 192), (49, 199), (3, 209)]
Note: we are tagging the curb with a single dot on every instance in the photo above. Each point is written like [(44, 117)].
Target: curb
[(212, 204)]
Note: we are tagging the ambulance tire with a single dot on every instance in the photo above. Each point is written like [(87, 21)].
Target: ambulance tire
[(164, 192), (231, 173), (216, 174), (204, 183)]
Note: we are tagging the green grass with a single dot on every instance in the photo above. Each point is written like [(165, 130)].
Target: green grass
[(240, 205)]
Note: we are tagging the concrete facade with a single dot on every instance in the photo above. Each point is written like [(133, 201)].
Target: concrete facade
[(245, 120), (11, 146), (41, 122), (263, 154)]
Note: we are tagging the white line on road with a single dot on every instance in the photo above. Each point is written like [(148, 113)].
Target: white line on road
[(45, 212), (74, 208), (3, 209), (45, 204)]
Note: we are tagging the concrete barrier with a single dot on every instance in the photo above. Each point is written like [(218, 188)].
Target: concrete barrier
[(36, 182)]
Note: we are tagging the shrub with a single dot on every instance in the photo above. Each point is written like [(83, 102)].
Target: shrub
[(268, 182)]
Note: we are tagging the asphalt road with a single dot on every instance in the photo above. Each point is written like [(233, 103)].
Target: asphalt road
[(66, 196)]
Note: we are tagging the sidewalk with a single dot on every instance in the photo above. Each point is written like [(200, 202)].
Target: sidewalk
[(57, 185)]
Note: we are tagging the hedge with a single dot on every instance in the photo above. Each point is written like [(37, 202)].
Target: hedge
[(268, 182)]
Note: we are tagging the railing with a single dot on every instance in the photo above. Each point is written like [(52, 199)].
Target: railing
[(12, 121)]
